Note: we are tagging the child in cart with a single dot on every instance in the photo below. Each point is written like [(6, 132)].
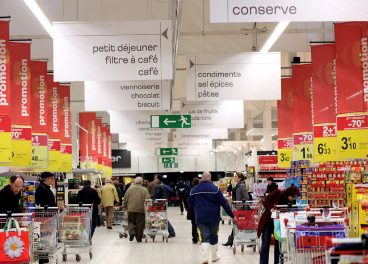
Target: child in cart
[(266, 227)]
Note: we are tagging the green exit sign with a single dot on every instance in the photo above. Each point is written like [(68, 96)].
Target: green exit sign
[(168, 160), (167, 151), (171, 121), (171, 165)]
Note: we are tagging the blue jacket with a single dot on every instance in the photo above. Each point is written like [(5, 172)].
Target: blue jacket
[(206, 199)]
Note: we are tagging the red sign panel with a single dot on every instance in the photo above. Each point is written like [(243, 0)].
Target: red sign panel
[(53, 108), (303, 139), (99, 140), (267, 160), (352, 122), (65, 127), (4, 69), (285, 109), (21, 133), (324, 131), (5, 124), (39, 96), (284, 143), (54, 145), (302, 113), (39, 140), (88, 122), (66, 149)]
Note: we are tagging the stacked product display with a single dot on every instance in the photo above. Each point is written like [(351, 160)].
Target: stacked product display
[(29, 192), (299, 173)]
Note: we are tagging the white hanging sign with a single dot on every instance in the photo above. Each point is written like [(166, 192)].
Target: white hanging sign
[(143, 137), (196, 133)]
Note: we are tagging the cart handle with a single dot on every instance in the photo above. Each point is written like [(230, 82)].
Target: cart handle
[(17, 214), (80, 205), (322, 220)]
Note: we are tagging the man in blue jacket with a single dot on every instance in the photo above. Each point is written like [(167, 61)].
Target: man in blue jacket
[(206, 199)]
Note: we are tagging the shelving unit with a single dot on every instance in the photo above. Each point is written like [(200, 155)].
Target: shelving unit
[(269, 168)]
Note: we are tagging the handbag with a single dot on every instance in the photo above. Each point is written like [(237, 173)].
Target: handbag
[(14, 245)]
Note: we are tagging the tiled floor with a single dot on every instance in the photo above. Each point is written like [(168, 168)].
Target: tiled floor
[(109, 248)]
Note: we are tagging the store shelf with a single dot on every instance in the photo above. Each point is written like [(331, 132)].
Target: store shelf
[(272, 171), (275, 179)]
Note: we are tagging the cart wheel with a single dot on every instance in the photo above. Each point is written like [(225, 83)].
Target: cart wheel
[(254, 248), (223, 221), (234, 250), (242, 248), (90, 255), (78, 258), (229, 222), (65, 257), (121, 235), (153, 239), (125, 235), (163, 238), (167, 240), (145, 240), (259, 250)]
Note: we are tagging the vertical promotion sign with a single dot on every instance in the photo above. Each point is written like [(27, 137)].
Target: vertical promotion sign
[(105, 159), (65, 129), (302, 113), (38, 97), (87, 140), (109, 152), (324, 103), (5, 120), (99, 144), (20, 82), (285, 127)]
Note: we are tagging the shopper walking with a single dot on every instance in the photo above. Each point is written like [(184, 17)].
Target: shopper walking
[(180, 187), (90, 196), (134, 204), (109, 197), (44, 196), (162, 193), (266, 227), (271, 185), (98, 190), (152, 185), (239, 193), (120, 194), (190, 211), (145, 184), (10, 195), (206, 199)]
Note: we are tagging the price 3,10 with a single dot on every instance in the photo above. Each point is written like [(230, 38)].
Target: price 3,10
[(347, 144)]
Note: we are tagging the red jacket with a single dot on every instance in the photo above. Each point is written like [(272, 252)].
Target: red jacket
[(277, 197)]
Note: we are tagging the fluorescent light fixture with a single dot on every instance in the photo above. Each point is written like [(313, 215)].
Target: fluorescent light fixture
[(164, 176), (199, 175), (38, 12), (275, 35)]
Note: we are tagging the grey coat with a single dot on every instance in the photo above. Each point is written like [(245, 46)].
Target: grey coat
[(240, 192)]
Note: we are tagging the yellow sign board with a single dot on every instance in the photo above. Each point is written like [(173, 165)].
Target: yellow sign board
[(303, 148), (284, 152), (325, 142), (66, 158), (21, 146), (5, 140), (40, 151)]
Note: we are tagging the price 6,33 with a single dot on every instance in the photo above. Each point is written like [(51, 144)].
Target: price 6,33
[(323, 149), (347, 144)]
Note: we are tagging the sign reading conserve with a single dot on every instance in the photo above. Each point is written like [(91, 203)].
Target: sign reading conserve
[(225, 11), (237, 76), (124, 50)]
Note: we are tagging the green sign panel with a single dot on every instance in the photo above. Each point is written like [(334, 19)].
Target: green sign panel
[(171, 121), (170, 165), (167, 151), (168, 160)]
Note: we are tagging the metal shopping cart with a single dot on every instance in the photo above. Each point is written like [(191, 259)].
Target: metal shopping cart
[(224, 215), (121, 219), (45, 240), (75, 224), (246, 225), (156, 219), (347, 250), (25, 221)]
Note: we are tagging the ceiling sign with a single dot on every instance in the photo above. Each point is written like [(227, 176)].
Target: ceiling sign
[(233, 76), (171, 121), (197, 133), (235, 11), (112, 51), (143, 137)]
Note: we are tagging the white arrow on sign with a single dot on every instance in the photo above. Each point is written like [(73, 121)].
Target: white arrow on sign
[(166, 121), (165, 151)]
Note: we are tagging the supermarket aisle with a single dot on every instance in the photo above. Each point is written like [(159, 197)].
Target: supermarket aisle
[(108, 248)]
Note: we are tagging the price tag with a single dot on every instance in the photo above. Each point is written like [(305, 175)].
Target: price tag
[(66, 158), (105, 169), (92, 162), (352, 136), (5, 140), (40, 151), (284, 152), (303, 148), (21, 146), (54, 155), (325, 145)]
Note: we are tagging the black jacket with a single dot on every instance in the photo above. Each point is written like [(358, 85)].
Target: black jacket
[(89, 196), (272, 187), (160, 191), (44, 196), (9, 201), (120, 195), (190, 210)]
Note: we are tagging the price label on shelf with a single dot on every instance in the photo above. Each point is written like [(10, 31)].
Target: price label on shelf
[(352, 136), (325, 145), (40, 151), (21, 146), (284, 152), (303, 148)]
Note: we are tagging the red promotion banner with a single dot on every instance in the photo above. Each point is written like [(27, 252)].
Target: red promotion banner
[(104, 143), (285, 109), (20, 81), (4, 69), (267, 160), (324, 84), (88, 122), (39, 97), (351, 43), (65, 127), (53, 108), (302, 112), (99, 142)]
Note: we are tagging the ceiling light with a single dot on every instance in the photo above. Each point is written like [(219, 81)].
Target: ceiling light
[(239, 148), (262, 139), (38, 12), (281, 26)]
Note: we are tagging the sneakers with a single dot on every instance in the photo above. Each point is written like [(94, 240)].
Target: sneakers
[(131, 237), (109, 227), (170, 236)]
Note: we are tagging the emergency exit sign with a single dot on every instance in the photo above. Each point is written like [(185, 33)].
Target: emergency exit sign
[(171, 121), (167, 151), (168, 160), (171, 165)]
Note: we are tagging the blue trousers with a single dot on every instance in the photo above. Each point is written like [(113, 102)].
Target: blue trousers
[(209, 232), (266, 241), (171, 229)]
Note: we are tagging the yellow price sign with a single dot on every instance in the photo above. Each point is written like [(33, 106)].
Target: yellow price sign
[(352, 136), (325, 145), (66, 158), (54, 155), (284, 152), (40, 151), (303, 148), (92, 162), (5, 140), (21, 146)]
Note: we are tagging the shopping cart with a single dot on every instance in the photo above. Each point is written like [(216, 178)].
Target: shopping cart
[(45, 241), (347, 250), (246, 225), (156, 219), (121, 219), (25, 221), (75, 224), (224, 215)]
